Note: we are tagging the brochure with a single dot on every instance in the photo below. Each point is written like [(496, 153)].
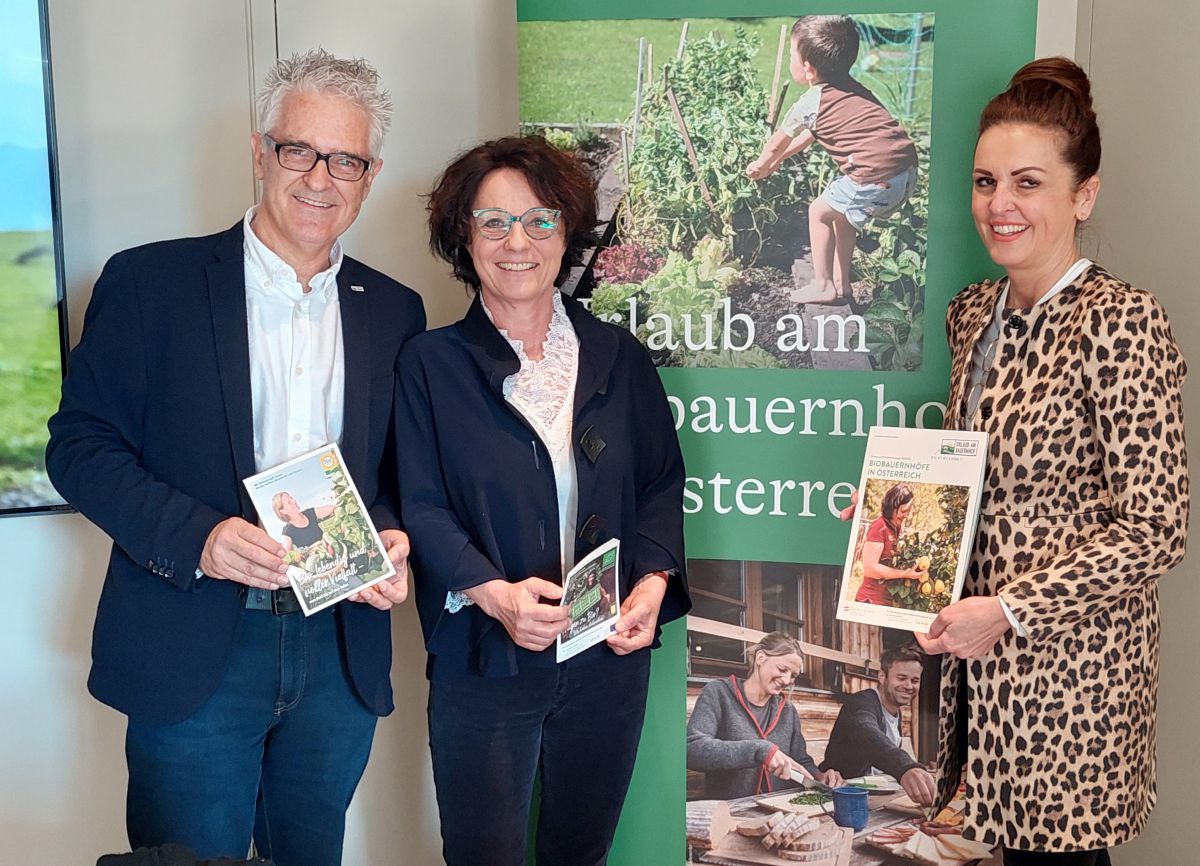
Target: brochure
[(590, 592), (311, 505), (914, 527)]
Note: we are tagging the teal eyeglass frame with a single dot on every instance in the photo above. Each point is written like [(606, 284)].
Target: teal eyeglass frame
[(538, 233)]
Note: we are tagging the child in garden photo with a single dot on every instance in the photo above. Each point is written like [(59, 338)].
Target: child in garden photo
[(876, 159)]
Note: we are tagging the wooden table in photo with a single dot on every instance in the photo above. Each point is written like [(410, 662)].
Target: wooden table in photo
[(863, 854)]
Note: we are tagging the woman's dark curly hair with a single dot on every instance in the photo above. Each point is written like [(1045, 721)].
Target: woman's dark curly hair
[(557, 179), (896, 496)]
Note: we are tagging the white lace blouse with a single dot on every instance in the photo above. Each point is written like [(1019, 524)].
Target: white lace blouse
[(543, 392)]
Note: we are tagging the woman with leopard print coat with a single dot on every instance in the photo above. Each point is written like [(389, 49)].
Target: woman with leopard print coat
[(1051, 669)]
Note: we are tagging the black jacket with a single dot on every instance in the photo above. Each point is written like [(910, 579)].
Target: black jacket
[(477, 485), (858, 741)]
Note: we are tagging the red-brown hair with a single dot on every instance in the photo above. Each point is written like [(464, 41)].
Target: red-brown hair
[(1055, 94), (558, 179)]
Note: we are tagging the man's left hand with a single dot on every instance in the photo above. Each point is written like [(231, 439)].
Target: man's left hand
[(920, 786), (388, 593), (831, 777), (968, 629), (639, 616)]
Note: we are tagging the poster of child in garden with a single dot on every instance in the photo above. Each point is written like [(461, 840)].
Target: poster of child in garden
[(763, 182)]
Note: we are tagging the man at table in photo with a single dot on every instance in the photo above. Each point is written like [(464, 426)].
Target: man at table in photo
[(204, 361), (866, 737)]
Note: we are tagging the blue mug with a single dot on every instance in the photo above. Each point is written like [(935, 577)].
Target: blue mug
[(850, 807)]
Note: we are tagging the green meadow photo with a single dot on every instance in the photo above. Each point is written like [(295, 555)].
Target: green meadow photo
[(32, 316)]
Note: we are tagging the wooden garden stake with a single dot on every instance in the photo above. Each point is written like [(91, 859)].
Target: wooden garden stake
[(771, 103), (625, 154), (774, 118), (691, 151), (682, 42), (637, 97)]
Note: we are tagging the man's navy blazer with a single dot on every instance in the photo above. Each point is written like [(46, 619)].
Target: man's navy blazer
[(154, 436)]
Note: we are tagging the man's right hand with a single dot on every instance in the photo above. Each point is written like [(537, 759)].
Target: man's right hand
[(918, 783), (244, 553), (529, 623)]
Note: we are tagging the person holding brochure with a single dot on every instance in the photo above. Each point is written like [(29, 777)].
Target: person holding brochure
[(1051, 667), (744, 734), (529, 434), (204, 361)]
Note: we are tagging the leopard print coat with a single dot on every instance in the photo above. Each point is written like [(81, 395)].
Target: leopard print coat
[(1085, 506)]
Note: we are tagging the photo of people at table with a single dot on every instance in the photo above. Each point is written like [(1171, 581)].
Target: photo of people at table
[(782, 696)]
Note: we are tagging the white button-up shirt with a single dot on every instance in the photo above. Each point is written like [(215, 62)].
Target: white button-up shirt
[(297, 367)]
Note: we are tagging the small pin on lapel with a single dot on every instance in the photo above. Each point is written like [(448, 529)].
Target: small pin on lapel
[(357, 289)]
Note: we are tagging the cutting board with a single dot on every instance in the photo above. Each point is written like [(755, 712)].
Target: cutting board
[(905, 805), (738, 850), (894, 849), (782, 803)]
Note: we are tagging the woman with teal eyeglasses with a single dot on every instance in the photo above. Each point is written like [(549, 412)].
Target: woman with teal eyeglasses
[(531, 433)]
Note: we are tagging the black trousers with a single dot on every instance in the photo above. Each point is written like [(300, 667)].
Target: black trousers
[(574, 726), (1050, 858)]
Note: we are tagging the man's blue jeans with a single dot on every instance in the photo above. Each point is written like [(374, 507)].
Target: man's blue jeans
[(276, 752)]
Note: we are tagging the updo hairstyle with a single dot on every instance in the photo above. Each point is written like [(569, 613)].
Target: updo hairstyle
[(1053, 93)]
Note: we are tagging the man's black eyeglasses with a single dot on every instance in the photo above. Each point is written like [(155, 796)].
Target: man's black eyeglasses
[(299, 157)]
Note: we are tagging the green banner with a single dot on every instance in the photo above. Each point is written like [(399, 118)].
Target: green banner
[(775, 365)]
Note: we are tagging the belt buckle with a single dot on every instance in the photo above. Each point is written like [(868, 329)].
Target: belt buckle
[(284, 601)]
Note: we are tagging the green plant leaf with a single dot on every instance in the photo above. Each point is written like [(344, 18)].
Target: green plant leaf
[(885, 312)]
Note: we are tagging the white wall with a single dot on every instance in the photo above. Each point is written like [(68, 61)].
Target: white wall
[(152, 109), (1146, 82), (154, 113)]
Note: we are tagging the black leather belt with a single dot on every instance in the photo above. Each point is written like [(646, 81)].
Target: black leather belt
[(279, 601)]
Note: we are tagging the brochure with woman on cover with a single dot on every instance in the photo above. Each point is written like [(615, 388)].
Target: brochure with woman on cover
[(311, 505), (914, 527)]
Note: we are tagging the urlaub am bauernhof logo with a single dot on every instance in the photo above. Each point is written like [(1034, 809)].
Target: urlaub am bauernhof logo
[(960, 447)]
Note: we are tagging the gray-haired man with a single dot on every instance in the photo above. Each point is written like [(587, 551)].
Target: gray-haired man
[(203, 361)]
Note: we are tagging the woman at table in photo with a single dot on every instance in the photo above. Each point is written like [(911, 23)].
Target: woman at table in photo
[(530, 433), (880, 545), (744, 734), (1076, 378)]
